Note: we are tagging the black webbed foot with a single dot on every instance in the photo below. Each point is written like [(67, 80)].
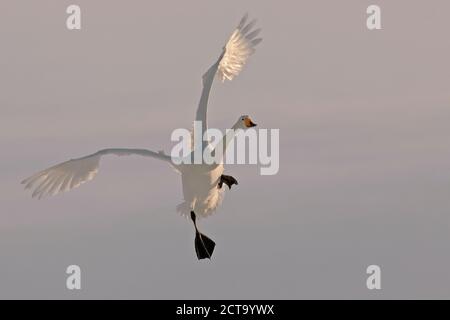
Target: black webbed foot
[(204, 246), (228, 180)]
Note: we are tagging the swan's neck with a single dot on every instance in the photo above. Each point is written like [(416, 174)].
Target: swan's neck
[(227, 139)]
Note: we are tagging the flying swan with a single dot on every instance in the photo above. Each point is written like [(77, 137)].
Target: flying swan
[(202, 183)]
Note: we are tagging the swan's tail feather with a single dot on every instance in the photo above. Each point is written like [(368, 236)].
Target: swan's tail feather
[(184, 208)]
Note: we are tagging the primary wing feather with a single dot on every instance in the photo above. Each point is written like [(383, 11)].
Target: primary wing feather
[(71, 174), (239, 47)]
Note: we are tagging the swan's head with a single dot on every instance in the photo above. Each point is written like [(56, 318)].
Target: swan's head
[(245, 122)]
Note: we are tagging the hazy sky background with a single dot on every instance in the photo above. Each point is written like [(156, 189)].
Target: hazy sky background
[(364, 131)]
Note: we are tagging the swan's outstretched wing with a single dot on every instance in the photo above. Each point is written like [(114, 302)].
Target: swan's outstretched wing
[(238, 48), (235, 53), (71, 174)]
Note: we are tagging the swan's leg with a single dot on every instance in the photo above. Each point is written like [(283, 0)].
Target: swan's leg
[(228, 180), (204, 246)]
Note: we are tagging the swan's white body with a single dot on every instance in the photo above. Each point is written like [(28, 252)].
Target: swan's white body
[(199, 181), (200, 191)]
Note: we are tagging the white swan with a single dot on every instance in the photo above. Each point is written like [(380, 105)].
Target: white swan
[(202, 183)]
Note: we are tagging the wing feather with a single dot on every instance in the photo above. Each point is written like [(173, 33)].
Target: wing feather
[(235, 53), (239, 47), (71, 174)]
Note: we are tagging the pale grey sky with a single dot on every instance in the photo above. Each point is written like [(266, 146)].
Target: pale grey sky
[(364, 166)]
